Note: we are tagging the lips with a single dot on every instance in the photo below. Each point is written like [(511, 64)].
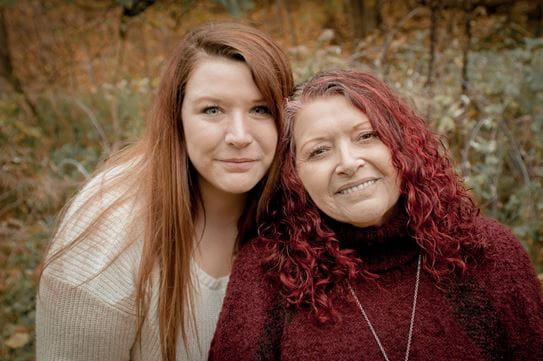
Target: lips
[(356, 186), (238, 160), (238, 165)]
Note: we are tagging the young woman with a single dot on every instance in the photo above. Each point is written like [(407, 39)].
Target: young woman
[(139, 265), (379, 252)]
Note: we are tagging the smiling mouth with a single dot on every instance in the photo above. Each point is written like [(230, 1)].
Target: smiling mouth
[(358, 187)]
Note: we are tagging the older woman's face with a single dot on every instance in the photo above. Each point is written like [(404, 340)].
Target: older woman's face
[(345, 168)]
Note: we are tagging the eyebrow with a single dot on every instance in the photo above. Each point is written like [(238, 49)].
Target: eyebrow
[(310, 141), (360, 125), (213, 99), (322, 138)]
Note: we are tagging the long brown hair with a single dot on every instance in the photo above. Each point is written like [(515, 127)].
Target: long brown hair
[(163, 181)]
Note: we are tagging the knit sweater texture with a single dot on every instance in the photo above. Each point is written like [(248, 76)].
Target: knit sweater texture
[(494, 311), (86, 306)]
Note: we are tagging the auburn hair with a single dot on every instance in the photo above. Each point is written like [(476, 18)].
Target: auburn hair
[(304, 253), (162, 178)]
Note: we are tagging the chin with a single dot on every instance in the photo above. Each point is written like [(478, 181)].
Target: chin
[(366, 221), (238, 188)]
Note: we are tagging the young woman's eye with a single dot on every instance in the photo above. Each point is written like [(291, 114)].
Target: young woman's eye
[(366, 136), (211, 110), (261, 110), (317, 152)]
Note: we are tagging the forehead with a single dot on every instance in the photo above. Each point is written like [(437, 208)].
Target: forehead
[(327, 116), (217, 74)]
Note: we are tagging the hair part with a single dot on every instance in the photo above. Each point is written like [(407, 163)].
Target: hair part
[(441, 213)]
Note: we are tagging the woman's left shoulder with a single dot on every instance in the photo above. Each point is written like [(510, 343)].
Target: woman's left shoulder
[(499, 240), (504, 261), (503, 282)]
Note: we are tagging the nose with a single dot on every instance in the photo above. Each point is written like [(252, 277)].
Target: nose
[(238, 133), (349, 161)]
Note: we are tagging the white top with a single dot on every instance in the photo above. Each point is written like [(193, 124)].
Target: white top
[(86, 312), (208, 297)]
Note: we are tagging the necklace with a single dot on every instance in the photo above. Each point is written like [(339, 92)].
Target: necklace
[(411, 324)]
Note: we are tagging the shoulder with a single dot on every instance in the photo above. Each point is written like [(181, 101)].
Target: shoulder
[(249, 278), (103, 207), (102, 190), (249, 265), (98, 244), (491, 228), (500, 294), (505, 266), (250, 306), (500, 242)]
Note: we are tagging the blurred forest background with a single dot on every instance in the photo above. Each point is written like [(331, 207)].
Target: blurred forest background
[(77, 77)]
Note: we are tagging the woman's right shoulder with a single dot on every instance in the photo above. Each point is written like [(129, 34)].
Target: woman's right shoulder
[(253, 287), (102, 190), (250, 267), (99, 231), (250, 299), (107, 194)]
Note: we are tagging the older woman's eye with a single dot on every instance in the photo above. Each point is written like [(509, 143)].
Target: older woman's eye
[(317, 152), (212, 110), (366, 136)]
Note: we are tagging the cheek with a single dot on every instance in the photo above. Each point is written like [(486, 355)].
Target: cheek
[(196, 144), (271, 144), (202, 137), (395, 177), (191, 132), (267, 135), (393, 189), (314, 185)]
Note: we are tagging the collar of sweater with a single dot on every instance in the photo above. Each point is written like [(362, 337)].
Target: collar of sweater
[(383, 248)]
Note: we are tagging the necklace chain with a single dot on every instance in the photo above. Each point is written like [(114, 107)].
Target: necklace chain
[(411, 324)]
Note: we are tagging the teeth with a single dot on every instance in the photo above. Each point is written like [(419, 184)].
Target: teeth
[(358, 187)]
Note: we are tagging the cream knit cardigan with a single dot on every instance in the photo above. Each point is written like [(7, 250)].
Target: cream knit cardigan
[(86, 311)]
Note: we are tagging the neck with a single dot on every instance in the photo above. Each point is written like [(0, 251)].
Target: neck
[(216, 229), (382, 247), (219, 209)]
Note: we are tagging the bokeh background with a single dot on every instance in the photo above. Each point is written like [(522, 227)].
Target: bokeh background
[(77, 78)]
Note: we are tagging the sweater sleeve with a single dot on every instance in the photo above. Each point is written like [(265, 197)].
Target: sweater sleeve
[(73, 324), (85, 303), (251, 320), (516, 292)]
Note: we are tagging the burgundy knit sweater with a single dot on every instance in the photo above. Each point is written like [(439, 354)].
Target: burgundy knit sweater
[(493, 312)]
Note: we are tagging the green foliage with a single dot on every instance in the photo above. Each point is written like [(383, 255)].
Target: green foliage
[(4, 3), (187, 3), (125, 3), (45, 162), (18, 291), (494, 132), (505, 158), (236, 8)]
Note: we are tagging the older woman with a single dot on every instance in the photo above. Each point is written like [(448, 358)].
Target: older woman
[(377, 251)]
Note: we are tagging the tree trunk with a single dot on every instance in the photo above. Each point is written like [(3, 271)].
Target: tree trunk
[(467, 46), (6, 67), (539, 19), (364, 16), (283, 7), (433, 40)]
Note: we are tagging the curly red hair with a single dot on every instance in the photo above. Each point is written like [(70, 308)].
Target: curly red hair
[(304, 254)]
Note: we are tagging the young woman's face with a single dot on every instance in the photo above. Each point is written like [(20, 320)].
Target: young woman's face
[(230, 134), (345, 168)]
